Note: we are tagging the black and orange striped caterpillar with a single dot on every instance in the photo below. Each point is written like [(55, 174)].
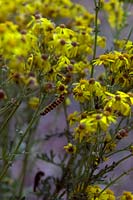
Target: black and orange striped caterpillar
[(53, 105)]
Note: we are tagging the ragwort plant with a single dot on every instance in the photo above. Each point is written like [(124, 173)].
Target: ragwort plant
[(48, 58)]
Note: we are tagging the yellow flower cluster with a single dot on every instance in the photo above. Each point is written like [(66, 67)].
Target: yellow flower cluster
[(70, 148), (32, 45), (87, 88), (126, 195), (88, 127), (94, 192), (115, 12), (38, 44), (120, 64)]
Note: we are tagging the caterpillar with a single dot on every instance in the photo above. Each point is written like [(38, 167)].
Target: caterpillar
[(53, 105)]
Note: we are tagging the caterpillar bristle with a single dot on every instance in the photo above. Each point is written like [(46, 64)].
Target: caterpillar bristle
[(53, 105)]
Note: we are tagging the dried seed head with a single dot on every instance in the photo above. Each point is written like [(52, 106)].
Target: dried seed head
[(61, 88), (37, 16), (108, 109), (117, 97), (91, 81), (31, 74), (68, 78), (122, 133), (44, 56), (48, 87), (62, 42), (82, 126), (23, 32), (62, 26), (74, 44), (98, 117), (2, 94)]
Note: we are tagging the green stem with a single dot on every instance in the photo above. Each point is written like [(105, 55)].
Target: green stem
[(118, 151), (4, 132), (4, 146), (115, 180), (7, 107), (127, 39), (17, 104), (66, 118), (4, 171), (25, 161), (64, 180), (24, 167), (110, 168), (97, 8), (119, 124)]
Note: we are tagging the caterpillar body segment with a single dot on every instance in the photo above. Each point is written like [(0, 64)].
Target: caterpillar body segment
[(53, 105)]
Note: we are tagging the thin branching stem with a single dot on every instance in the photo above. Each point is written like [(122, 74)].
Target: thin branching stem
[(116, 179), (12, 157), (97, 8)]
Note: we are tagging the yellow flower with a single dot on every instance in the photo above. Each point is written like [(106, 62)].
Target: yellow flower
[(101, 41), (85, 34), (70, 148), (103, 120), (115, 12), (84, 21), (107, 195), (73, 118), (93, 193), (120, 44), (71, 49), (63, 32), (81, 92), (115, 61), (40, 25), (33, 102), (81, 67), (86, 129), (119, 103), (31, 82), (90, 124), (105, 59), (126, 196), (99, 119), (85, 89), (64, 42), (110, 144), (129, 46), (63, 62), (61, 88), (131, 149)]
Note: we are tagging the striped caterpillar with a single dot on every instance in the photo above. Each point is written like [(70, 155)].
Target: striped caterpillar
[(53, 105)]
